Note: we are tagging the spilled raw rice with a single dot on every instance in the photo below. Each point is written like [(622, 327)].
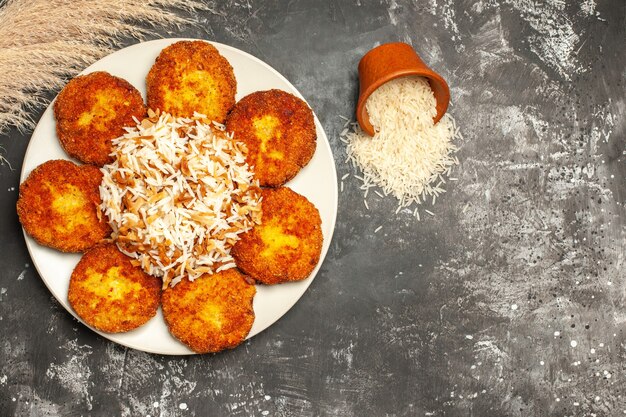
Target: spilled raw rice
[(409, 156)]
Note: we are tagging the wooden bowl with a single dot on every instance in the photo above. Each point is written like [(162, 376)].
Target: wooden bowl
[(387, 62)]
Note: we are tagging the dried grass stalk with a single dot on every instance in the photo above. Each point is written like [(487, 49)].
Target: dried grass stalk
[(45, 42)]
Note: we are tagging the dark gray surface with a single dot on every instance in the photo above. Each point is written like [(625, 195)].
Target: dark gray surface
[(510, 301)]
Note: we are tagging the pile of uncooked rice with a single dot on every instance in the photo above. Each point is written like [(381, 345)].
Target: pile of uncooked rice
[(409, 157), (178, 195)]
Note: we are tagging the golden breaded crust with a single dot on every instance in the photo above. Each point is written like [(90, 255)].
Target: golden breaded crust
[(192, 76), (279, 130), (92, 110), (287, 244), (212, 313), (58, 206), (111, 294)]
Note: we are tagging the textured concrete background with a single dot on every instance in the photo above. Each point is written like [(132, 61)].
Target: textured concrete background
[(510, 301)]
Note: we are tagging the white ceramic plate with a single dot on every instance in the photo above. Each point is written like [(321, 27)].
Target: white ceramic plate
[(317, 181)]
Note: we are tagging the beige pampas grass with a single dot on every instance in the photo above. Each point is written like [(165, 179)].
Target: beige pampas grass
[(44, 42)]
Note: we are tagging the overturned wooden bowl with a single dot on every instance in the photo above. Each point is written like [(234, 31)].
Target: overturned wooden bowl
[(387, 62)]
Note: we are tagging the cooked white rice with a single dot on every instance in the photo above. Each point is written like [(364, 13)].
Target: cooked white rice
[(178, 195)]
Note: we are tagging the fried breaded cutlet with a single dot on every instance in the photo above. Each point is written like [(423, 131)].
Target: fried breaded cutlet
[(212, 313), (58, 206), (110, 294), (278, 129), (287, 244), (92, 110), (192, 76)]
